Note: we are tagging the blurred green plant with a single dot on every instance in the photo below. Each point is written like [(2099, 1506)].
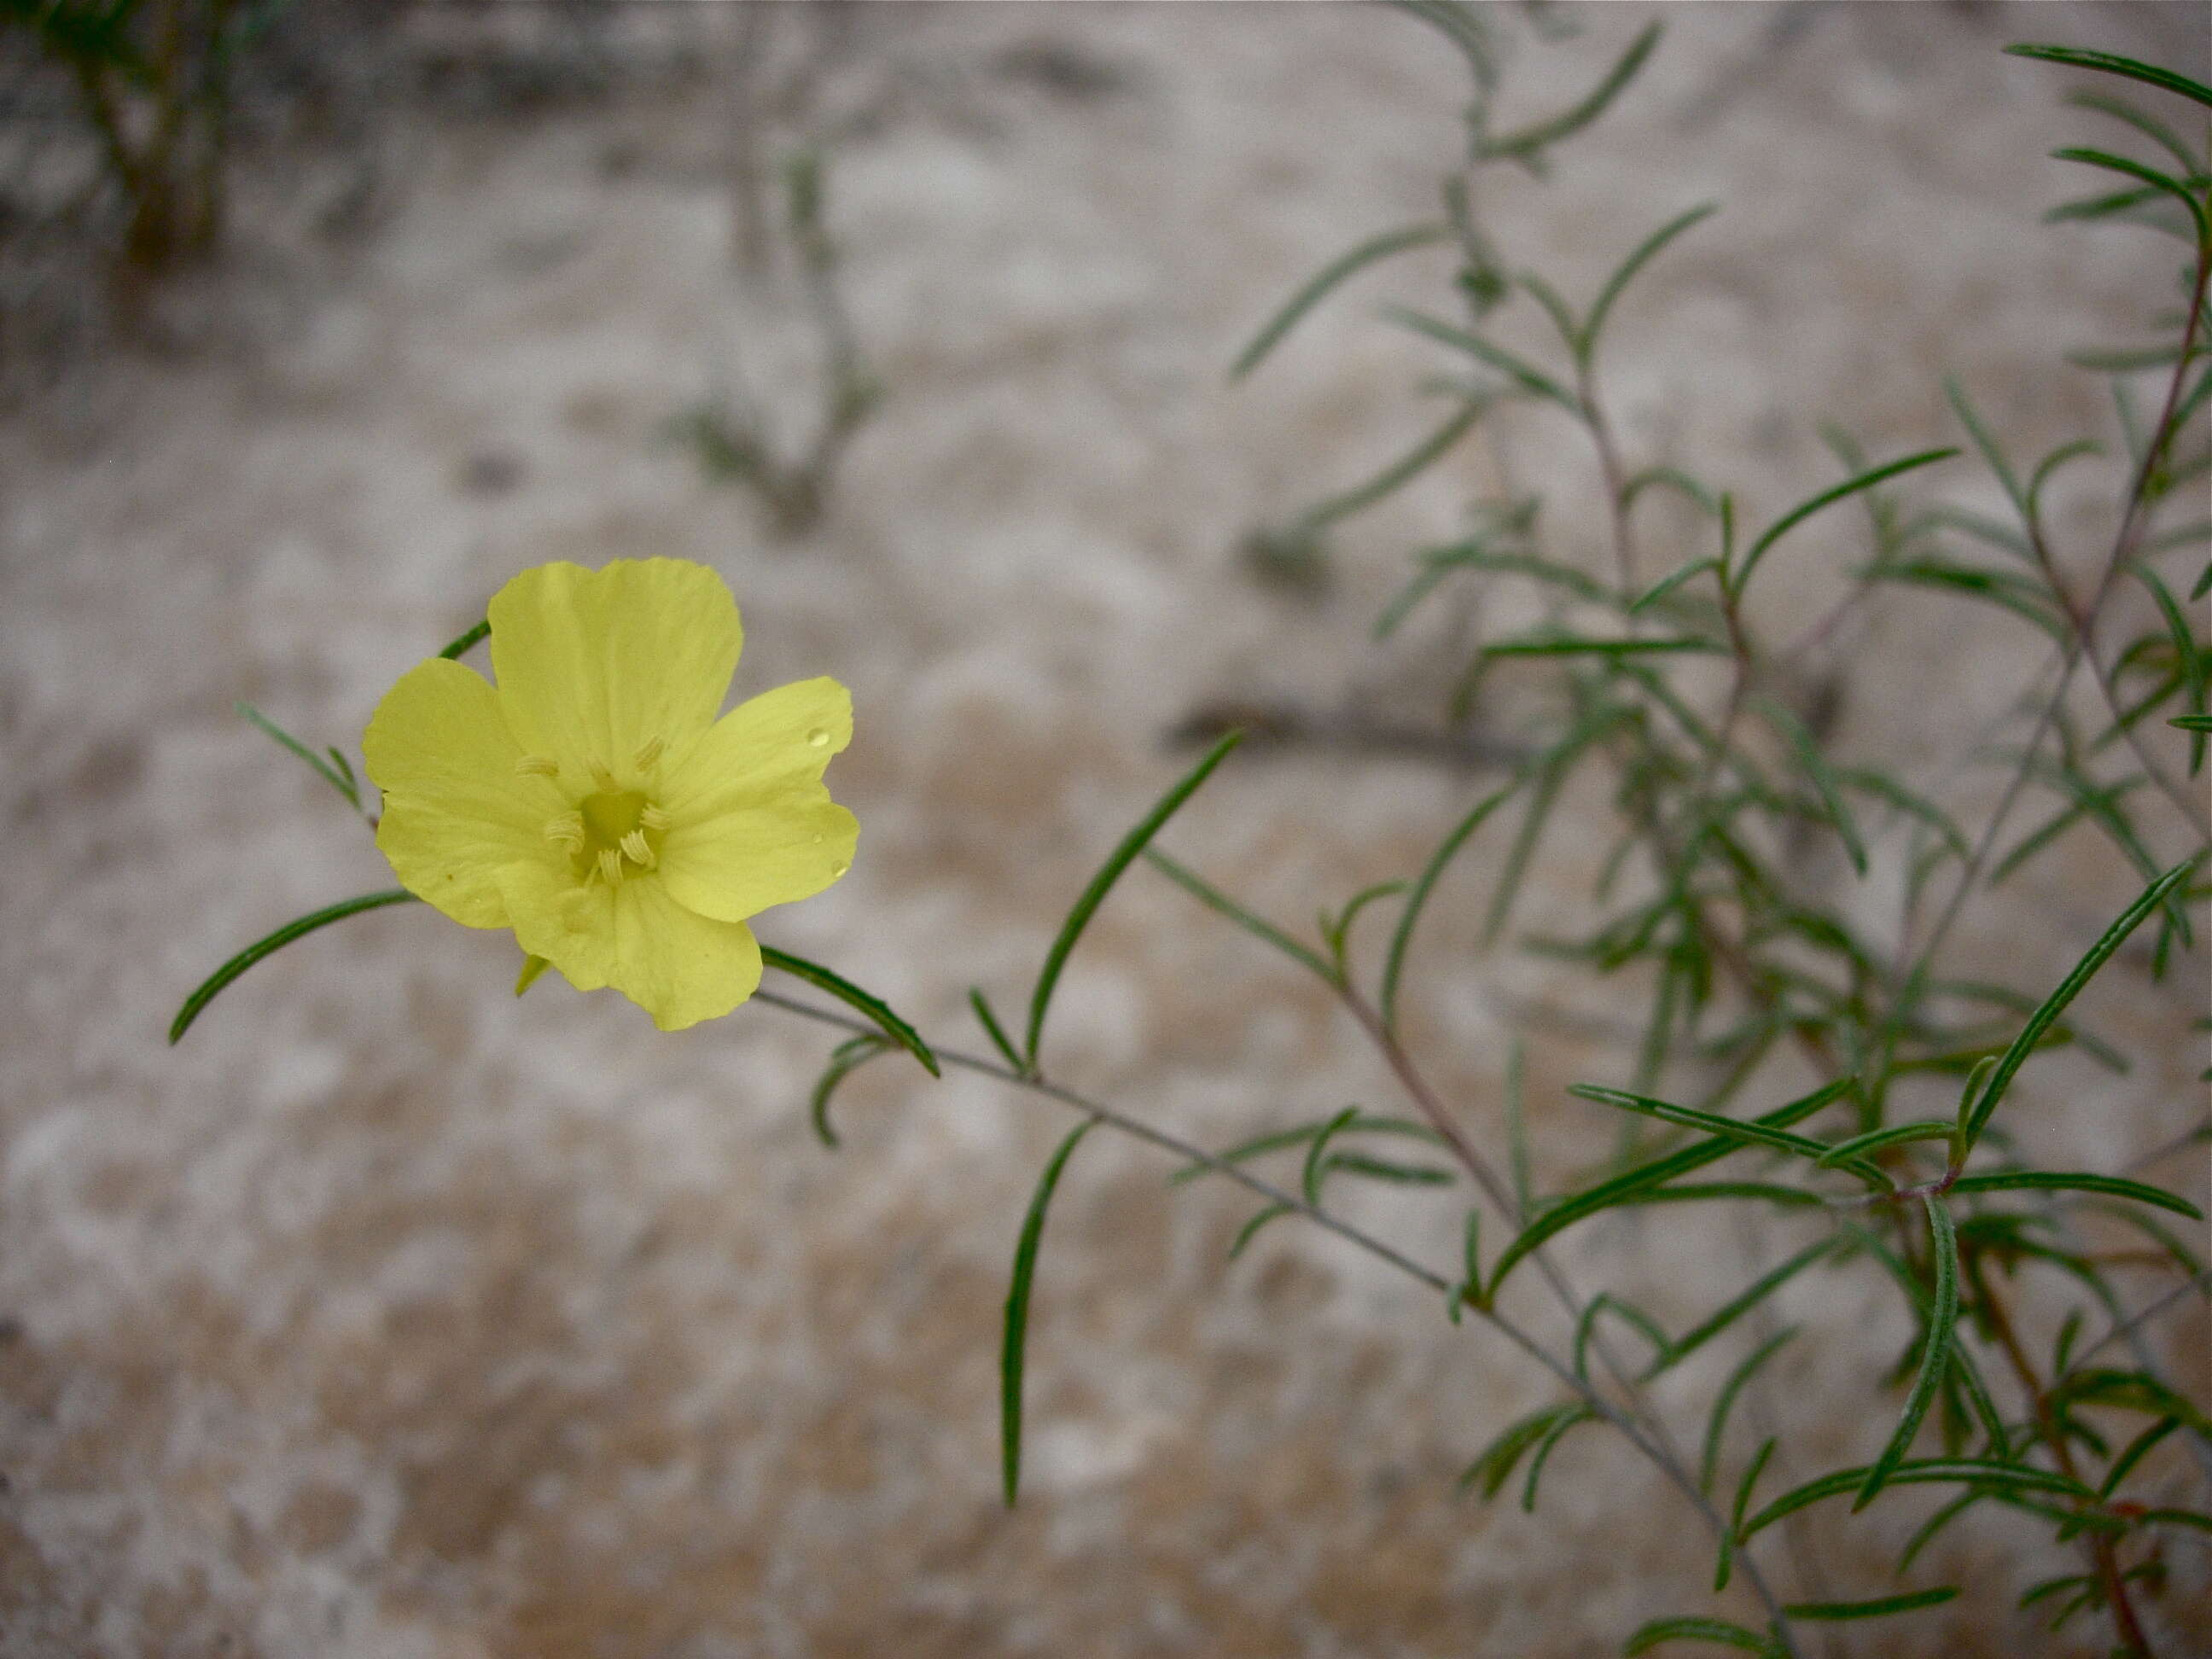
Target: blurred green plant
[(152, 81)]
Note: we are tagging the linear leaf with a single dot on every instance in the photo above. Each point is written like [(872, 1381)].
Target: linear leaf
[(2104, 62), (1215, 900), (1896, 1135), (298, 928), (1849, 487), (1347, 264), (1824, 781), (1552, 1436), (1494, 1464), (1645, 1176), (1559, 645), (1586, 343), (1690, 1117), (859, 1001), (1935, 1471), (845, 1059), (1528, 144), (988, 1019), (1879, 1607), (1717, 1632), (1666, 585), (1530, 379), (1398, 473), (341, 782), (2054, 1180), (1110, 871), (1394, 963), (1250, 1229), (1716, 1423), (2147, 175), (1011, 1352), (2149, 126), (2055, 1005), (1760, 1288), (1935, 1354)]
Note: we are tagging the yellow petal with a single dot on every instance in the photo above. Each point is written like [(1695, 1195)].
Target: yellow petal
[(455, 810), (749, 823), (678, 967), (593, 665)]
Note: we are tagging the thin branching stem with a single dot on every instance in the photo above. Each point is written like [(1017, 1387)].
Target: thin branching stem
[(1642, 1433)]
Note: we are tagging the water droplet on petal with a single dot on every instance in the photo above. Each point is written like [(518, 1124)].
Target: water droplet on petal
[(816, 838), (839, 868), (818, 737)]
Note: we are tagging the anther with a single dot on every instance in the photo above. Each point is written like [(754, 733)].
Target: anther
[(611, 867), (649, 753), (653, 819), (639, 853), (537, 766), (568, 831)]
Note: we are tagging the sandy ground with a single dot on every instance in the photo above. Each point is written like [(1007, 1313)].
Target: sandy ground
[(389, 1316)]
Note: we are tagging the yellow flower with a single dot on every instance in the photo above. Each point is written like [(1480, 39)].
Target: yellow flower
[(593, 801)]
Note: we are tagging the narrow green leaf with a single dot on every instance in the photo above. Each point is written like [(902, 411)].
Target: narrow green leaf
[(2147, 175), (298, 928), (1666, 585), (1986, 442), (1849, 487), (1746, 1485), (2193, 722), (872, 1007), (1347, 264), (340, 780), (1586, 344), (1878, 1608), (1629, 1313), (1277, 1141), (2068, 988), (1717, 1632), (1898, 1134), (1759, 1289), (845, 1059), (1393, 964), (1936, 1352), (1552, 1436), (2104, 62), (1017, 1313), (459, 648), (1562, 645), (1215, 900), (1646, 1178), (1494, 1465), (1387, 1169), (1530, 379), (2149, 126), (987, 1017), (1825, 783), (1725, 1401), (1528, 144), (1562, 316), (1102, 882), (2053, 1181), (1309, 1178), (2136, 1451), (1400, 472), (1250, 1229), (1931, 1471), (1516, 1133), (1924, 1535), (1689, 1117)]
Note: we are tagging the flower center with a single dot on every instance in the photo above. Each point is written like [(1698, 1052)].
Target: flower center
[(612, 834)]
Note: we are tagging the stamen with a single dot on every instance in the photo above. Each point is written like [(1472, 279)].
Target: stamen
[(604, 779), (635, 844), (650, 753), (611, 867), (568, 831), (537, 766), (653, 819)]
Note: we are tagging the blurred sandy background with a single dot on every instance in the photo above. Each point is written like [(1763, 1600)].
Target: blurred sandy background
[(389, 1316)]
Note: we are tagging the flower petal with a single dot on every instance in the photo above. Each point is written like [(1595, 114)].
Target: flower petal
[(750, 824), (455, 810), (594, 665), (678, 967)]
